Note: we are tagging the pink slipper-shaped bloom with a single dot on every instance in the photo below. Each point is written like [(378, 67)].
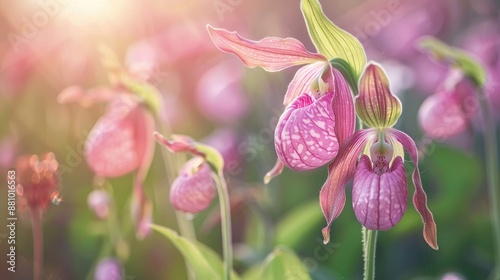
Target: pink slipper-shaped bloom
[(319, 115), (448, 112), (194, 189), (380, 186)]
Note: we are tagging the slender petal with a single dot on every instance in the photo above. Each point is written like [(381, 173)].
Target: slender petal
[(376, 105), (331, 40), (271, 53), (142, 211), (301, 82), (343, 108), (340, 172), (87, 98), (379, 201), (304, 138), (277, 169), (419, 197), (179, 143)]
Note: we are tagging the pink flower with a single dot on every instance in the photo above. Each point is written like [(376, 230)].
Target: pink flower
[(380, 187), (37, 181), (320, 114), (449, 111), (109, 269), (194, 189)]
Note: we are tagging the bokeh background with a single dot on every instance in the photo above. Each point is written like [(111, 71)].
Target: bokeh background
[(48, 45)]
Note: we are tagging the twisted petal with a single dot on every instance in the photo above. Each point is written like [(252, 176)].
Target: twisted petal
[(340, 171), (343, 108), (304, 138), (379, 201), (376, 105), (419, 198), (271, 53), (277, 169), (194, 189)]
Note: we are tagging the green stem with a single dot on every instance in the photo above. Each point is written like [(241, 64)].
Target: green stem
[(37, 244), (492, 167), (172, 166), (225, 224), (369, 248)]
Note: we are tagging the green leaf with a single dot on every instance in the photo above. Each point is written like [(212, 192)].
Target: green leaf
[(205, 263), (457, 57), (282, 263), (331, 40), (299, 223)]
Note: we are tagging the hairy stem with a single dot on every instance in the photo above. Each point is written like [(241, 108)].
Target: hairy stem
[(492, 167), (369, 248)]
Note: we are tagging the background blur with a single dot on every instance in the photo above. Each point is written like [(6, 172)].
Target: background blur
[(48, 45)]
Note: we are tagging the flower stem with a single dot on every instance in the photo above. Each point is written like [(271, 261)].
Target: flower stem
[(225, 224), (36, 221), (369, 248), (492, 167), (172, 166)]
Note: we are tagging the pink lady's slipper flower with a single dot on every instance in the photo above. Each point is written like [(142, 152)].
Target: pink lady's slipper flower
[(449, 111), (320, 113), (194, 189), (380, 186)]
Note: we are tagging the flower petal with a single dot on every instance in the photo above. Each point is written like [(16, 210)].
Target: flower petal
[(376, 105), (301, 82), (340, 171), (379, 201), (277, 169), (142, 212), (343, 108), (419, 198), (86, 98), (331, 40), (271, 53), (304, 138)]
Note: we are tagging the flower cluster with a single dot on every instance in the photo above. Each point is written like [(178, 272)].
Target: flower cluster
[(317, 125)]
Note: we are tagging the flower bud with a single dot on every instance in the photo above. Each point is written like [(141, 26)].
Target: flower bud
[(194, 189), (99, 201), (109, 269)]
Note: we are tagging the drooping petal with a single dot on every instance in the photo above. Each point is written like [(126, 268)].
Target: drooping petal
[(277, 169), (419, 197), (115, 145), (271, 53), (301, 82), (379, 201), (340, 171), (331, 40), (194, 189), (179, 143), (376, 105), (343, 108), (142, 212), (305, 138)]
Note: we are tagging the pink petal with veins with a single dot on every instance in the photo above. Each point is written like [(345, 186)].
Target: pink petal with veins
[(379, 201), (343, 107), (340, 172), (194, 189), (271, 53), (304, 138), (419, 197)]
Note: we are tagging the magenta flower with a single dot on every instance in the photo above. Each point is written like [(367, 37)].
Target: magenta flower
[(380, 187), (320, 113), (194, 189), (109, 269)]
